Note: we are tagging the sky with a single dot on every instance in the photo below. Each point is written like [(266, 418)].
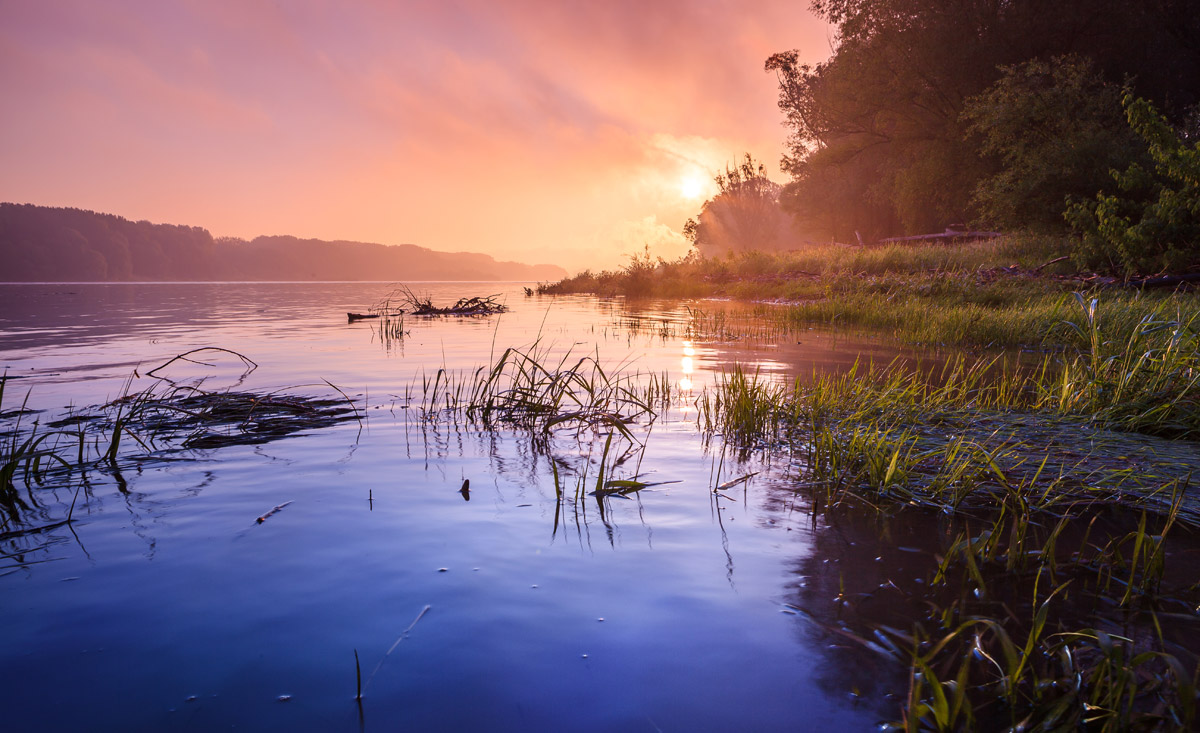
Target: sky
[(548, 131)]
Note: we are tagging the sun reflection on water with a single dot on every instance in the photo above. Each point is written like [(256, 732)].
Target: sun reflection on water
[(687, 365)]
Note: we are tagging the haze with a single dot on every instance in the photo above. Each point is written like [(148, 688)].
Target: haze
[(567, 133)]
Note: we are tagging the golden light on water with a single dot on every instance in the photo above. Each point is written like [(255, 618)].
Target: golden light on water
[(687, 365)]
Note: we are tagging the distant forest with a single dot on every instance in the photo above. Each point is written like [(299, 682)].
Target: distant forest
[(39, 243)]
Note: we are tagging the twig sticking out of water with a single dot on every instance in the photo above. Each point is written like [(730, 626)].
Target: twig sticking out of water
[(276, 510), (402, 637), (358, 676)]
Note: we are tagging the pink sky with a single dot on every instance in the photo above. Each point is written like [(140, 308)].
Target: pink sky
[(539, 131)]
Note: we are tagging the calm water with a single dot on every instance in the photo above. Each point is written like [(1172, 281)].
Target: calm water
[(169, 607)]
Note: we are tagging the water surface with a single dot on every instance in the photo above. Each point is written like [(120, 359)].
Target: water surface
[(166, 606)]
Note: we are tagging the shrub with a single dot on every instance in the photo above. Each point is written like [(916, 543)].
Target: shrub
[(1154, 225)]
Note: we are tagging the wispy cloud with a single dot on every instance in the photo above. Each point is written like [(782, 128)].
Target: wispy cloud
[(521, 129)]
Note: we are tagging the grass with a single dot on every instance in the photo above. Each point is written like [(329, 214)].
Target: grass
[(533, 389), (994, 293), (1019, 459)]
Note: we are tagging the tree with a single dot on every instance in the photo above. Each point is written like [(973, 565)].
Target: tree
[(878, 143), (1056, 129), (744, 215)]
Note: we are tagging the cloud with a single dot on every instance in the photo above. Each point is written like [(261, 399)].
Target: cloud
[(512, 128)]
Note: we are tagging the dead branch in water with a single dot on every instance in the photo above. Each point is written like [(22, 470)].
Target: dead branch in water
[(415, 305)]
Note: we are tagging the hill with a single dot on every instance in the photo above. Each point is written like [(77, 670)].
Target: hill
[(40, 243)]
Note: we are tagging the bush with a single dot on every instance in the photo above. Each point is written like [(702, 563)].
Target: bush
[(1155, 225)]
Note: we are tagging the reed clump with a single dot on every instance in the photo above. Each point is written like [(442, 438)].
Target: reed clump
[(533, 389)]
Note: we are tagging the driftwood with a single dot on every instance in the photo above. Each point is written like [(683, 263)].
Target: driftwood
[(352, 317), (415, 305), (403, 301), (1164, 281), (1140, 283), (485, 306), (952, 235)]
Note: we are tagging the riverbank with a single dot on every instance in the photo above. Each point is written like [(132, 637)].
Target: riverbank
[(1002, 293)]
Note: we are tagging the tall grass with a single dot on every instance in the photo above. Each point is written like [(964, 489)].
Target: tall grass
[(977, 294), (695, 276)]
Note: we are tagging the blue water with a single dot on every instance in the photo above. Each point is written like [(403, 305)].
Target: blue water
[(166, 606)]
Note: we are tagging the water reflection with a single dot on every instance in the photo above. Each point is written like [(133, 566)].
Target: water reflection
[(689, 582)]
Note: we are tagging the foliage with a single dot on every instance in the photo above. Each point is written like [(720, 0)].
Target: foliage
[(744, 215), (1155, 225), (1057, 129), (877, 143)]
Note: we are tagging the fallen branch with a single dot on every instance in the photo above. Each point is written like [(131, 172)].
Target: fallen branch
[(1164, 281), (953, 236), (1054, 261)]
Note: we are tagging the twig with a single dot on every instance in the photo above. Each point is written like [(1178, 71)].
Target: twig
[(264, 517), (247, 360), (402, 637)]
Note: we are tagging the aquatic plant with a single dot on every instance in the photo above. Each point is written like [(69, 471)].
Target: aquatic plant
[(163, 416), (532, 389)]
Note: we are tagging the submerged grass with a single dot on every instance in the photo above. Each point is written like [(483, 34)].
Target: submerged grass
[(533, 389), (164, 416)]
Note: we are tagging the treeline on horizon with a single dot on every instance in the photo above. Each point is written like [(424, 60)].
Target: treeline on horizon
[(1077, 118), (45, 244)]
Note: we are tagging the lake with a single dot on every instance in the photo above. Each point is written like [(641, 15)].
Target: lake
[(166, 605)]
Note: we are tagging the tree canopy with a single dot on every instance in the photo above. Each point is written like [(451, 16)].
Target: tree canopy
[(879, 143)]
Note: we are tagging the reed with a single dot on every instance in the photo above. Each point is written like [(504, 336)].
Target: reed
[(989, 294), (28, 456), (533, 389)]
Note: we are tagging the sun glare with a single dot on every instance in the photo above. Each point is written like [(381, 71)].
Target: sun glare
[(691, 187)]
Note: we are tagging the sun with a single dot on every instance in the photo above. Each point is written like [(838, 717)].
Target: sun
[(691, 187)]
